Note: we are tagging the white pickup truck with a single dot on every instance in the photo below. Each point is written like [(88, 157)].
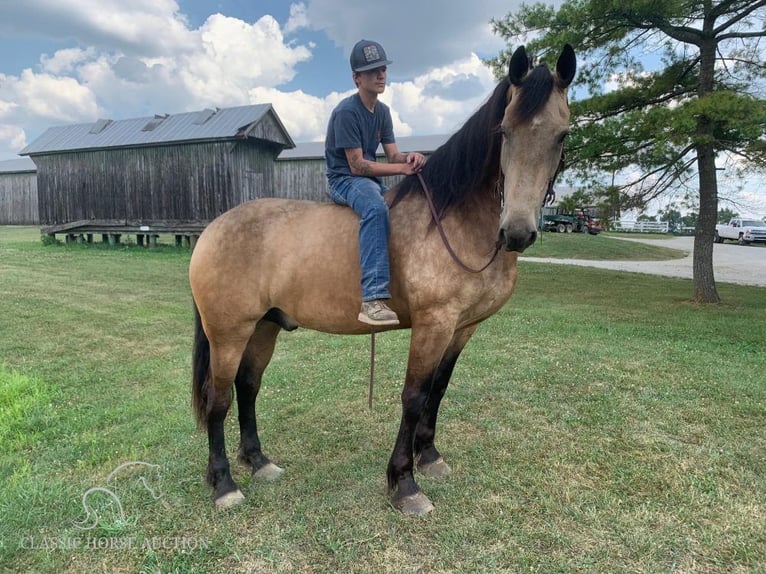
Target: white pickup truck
[(743, 231)]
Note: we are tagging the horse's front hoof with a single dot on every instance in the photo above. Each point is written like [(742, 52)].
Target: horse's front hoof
[(435, 469), (268, 472), (415, 504), (229, 500)]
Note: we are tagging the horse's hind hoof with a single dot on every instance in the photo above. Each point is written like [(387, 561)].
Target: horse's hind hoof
[(268, 472), (435, 469), (229, 500), (414, 505)]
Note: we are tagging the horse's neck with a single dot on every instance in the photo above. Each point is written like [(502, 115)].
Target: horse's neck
[(468, 227), (479, 214)]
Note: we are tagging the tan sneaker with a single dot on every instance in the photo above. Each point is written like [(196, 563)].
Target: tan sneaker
[(377, 313)]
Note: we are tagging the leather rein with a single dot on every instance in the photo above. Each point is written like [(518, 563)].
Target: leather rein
[(440, 228), (550, 197)]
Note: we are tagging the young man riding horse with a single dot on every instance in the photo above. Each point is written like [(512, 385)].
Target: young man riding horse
[(357, 125)]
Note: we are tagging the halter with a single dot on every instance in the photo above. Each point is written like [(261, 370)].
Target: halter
[(438, 223)]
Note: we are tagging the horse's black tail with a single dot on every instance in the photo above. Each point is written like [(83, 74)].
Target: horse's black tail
[(200, 371)]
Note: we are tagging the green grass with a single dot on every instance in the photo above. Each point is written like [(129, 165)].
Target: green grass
[(605, 246), (607, 425)]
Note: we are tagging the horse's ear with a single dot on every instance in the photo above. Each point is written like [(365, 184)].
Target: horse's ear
[(519, 66), (566, 66)]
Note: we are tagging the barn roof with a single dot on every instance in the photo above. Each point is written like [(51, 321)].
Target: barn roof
[(237, 123), (19, 165), (313, 150)]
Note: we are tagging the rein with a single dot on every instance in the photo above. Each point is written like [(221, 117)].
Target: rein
[(437, 221)]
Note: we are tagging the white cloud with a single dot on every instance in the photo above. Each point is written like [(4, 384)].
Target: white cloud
[(304, 116), (217, 66), (234, 52), (50, 97), (416, 35), (12, 136), (425, 105), (65, 61), (298, 18), (138, 27)]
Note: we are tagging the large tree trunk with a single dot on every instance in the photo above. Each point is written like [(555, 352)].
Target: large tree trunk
[(704, 280)]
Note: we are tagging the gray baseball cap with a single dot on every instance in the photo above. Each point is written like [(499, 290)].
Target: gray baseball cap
[(368, 55)]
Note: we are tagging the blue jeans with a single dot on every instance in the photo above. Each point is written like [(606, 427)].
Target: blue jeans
[(365, 197)]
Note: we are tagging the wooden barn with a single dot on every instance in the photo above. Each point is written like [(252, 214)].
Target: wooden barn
[(162, 174), (18, 192), (300, 171)]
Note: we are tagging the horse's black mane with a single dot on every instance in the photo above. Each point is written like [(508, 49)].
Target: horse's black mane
[(468, 163)]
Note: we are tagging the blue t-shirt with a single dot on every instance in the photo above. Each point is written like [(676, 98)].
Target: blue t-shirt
[(352, 125)]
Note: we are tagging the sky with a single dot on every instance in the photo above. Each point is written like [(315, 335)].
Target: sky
[(77, 61)]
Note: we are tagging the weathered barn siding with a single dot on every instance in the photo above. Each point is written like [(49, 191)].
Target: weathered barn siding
[(306, 179), (300, 172), (300, 179), (18, 193), (178, 183), (162, 174)]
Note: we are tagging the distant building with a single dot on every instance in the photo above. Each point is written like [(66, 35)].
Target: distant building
[(161, 174), (18, 192)]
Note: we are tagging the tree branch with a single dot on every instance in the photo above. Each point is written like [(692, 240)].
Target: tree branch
[(738, 35), (738, 17)]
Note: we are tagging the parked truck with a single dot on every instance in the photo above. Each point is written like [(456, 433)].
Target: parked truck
[(581, 221), (743, 231)]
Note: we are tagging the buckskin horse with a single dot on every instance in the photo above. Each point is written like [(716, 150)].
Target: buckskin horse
[(274, 264)]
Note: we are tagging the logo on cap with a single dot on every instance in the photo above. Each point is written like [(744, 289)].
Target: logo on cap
[(371, 53)]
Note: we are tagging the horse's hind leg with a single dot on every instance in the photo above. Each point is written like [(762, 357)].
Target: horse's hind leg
[(429, 462), (224, 362), (248, 383)]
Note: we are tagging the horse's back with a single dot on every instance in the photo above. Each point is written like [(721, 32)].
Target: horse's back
[(295, 255)]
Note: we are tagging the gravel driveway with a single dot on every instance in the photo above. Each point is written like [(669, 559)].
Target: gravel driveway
[(732, 263)]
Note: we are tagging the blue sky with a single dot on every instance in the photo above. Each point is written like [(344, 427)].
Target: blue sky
[(76, 61)]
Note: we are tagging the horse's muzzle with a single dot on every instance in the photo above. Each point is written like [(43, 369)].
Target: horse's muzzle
[(516, 240)]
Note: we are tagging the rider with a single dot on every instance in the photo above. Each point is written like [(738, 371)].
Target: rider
[(357, 125)]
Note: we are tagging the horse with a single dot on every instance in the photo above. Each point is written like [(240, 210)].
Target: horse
[(276, 264)]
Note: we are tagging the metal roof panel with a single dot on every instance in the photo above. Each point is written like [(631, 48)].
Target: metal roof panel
[(20, 165), (314, 150), (225, 123)]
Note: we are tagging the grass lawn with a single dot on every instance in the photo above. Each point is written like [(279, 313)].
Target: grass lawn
[(604, 426), (605, 246)]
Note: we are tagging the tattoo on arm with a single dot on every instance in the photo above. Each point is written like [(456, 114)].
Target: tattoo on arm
[(359, 164)]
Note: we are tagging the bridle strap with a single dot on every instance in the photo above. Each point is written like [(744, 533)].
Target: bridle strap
[(440, 228)]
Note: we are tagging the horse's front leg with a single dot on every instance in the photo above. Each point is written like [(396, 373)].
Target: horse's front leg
[(427, 347), (428, 459)]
